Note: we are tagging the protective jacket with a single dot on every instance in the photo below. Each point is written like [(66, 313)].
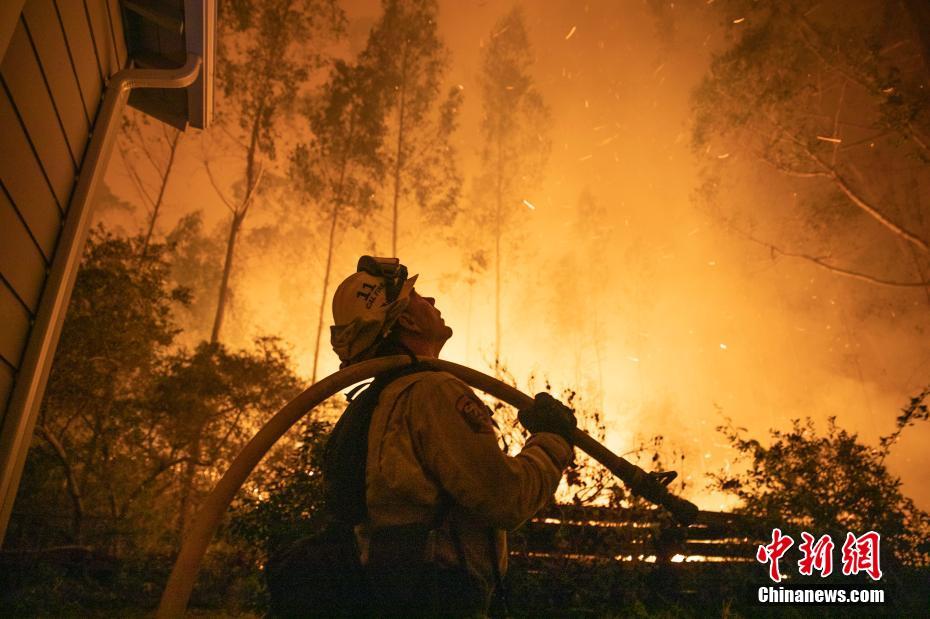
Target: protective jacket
[(432, 449)]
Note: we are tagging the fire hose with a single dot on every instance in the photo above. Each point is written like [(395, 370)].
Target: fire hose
[(194, 546)]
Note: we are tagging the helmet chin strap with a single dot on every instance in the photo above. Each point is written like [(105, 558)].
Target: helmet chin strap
[(413, 356)]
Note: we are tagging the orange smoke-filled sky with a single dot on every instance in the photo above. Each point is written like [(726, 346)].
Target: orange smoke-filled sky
[(650, 308)]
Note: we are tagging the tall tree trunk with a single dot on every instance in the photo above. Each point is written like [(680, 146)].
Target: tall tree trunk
[(329, 263), (600, 362), (161, 192), (337, 204), (224, 281), (252, 177), (471, 289), (187, 482), (399, 159), (238, 218), (497, 255), (71, 483)]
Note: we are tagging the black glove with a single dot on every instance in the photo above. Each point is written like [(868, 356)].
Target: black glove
[(548, 415)]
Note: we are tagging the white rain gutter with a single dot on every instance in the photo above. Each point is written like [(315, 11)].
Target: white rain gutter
[(32, 376)]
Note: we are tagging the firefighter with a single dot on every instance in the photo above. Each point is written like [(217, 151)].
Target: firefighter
[(439, 492)]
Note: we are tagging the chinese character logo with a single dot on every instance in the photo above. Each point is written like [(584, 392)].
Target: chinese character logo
[(771, 553), (817, 556), (860, 554)]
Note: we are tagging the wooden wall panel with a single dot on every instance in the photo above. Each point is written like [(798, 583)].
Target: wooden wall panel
[(9, 15), (21, 262), (102, 36), (26, 84), (83, 54), (23, 180), (15, 321), (6, 387), (48, 38)]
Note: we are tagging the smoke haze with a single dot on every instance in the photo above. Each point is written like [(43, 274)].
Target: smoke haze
[(618, 281)]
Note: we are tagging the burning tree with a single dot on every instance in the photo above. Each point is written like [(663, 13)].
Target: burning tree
[(339, 167), (514, 144), (264, 60), (405, 49)]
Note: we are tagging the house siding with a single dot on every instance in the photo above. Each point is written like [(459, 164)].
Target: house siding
[(52, 77)]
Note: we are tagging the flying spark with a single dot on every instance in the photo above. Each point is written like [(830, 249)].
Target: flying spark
[(529, 205), (723, 346), (831, 140), (739, 20), (570, 33), (500, 32)]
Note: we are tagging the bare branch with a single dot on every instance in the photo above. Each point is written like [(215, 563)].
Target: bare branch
[(162, 467), (871, 279), (134, 175), (854, 196), (248, 199), (142, 143), (917, 266), (74, 490), (850, 145), (859, 201), (917, 139), (807, 30), (156, 206), (792, 171), (216, 187)]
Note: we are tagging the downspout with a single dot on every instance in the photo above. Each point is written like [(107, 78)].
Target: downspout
[(43, 339)]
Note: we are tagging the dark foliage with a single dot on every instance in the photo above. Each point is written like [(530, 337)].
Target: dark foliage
[(114, 439), (829, 484), (287, 501)]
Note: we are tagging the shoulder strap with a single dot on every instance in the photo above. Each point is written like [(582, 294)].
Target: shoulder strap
[(346, 452)]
